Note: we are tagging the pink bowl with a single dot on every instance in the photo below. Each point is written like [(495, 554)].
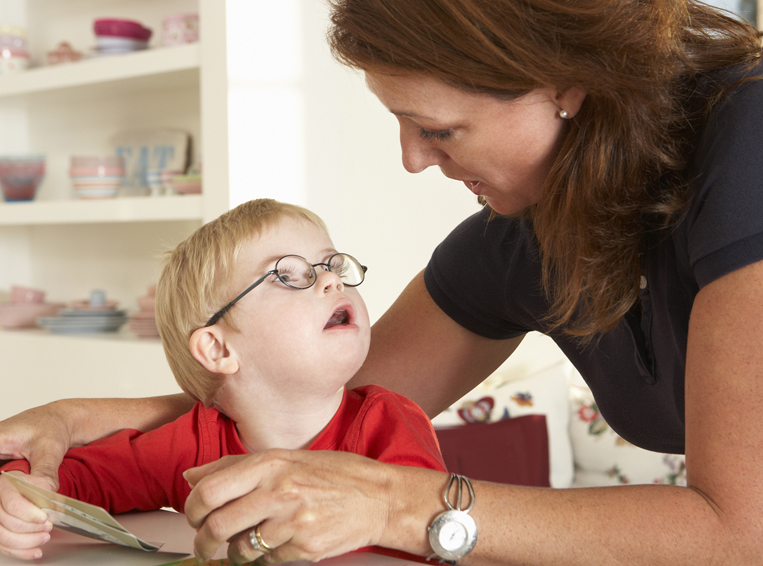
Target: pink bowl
[(25, 315), (147, 304), (20, 176), (21, 294), (115, 161), (121, 28), (96, 172)]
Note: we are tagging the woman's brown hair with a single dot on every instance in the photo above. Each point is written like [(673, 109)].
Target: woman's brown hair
[(620, 164)]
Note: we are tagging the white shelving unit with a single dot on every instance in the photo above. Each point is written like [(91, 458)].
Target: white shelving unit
[(69, 246)]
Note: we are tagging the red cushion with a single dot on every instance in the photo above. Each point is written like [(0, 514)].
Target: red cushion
[(513, 451)]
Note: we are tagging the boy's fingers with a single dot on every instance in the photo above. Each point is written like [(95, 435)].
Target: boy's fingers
[(16, 506), (15, 524), (25, 547)]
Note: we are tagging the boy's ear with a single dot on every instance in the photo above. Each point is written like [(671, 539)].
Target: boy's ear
[(208, 346)]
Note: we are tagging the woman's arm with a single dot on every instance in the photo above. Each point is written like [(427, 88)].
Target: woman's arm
[(43, 435), (420, 352), (318, 504)]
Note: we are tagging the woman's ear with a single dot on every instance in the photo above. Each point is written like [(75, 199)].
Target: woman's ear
[(209, 347), (570, 100)]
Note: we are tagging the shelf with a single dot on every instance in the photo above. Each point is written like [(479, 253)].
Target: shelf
[(171, 62), (125, 209)]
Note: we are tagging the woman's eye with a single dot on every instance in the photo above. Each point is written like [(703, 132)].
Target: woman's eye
[(429, 135)]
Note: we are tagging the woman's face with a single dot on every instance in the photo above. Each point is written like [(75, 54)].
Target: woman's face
[(501, 150)]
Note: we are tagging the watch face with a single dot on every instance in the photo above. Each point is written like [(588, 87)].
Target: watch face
[(452, 536)]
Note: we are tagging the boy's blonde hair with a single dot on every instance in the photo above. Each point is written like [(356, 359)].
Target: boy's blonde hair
[(196, 281)]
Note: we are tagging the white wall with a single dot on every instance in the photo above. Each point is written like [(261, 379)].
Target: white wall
[(390, 219)]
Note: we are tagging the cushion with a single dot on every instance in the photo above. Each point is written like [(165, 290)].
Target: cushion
[(542, 393), (512, 451), (602, 457)]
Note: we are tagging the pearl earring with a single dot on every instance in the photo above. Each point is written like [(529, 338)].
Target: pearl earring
[(563, 114)]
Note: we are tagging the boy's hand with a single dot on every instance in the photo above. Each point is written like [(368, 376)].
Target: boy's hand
[(24, 528), (40, 436)]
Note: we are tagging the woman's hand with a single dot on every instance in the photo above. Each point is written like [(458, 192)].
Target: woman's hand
[(41, 436), (312, 505), (24, 528)]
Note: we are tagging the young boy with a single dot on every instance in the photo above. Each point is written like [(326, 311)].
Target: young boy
[(262, 323)]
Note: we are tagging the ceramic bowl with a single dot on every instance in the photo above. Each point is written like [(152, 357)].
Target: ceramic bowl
[(95, 161), (12, 60), (85, 182), (27, 295), (25, 315), (187, 184), (20, 176), (15, 42), (63, 53), (97, 193), (147, 304), (115, 27), (107, 43), (180, 29), (75, 172)]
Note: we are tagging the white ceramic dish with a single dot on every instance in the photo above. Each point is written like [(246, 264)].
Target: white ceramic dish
[(107, 42)]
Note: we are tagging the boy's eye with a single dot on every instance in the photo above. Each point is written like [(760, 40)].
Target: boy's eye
[(429, 135)]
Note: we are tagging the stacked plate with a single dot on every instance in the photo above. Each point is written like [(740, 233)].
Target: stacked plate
[(143, 322), (86, 317), (77, 321), (97, 177), (113, 36)]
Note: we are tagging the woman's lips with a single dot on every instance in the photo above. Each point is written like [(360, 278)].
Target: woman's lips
[(474, 186)]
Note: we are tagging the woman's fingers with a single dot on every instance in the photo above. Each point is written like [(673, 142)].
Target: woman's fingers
[(217, 484), (195, 475), (39, 436), (312, 505)]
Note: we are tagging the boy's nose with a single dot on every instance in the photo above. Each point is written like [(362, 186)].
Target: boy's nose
[(326, 280)]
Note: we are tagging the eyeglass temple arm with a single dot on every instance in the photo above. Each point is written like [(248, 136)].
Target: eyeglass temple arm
[(219, 314)]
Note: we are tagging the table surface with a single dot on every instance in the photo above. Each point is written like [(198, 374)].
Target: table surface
[(67, 549)]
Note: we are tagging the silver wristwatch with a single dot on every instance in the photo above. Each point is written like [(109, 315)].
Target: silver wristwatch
[(453, 533)]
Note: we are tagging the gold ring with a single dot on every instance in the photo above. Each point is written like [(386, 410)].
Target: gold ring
[(264, 547)]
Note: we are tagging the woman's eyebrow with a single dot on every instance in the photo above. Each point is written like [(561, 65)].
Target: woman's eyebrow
[(412, 115)]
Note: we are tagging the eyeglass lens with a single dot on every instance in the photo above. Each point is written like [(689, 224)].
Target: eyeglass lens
[(296, 271)]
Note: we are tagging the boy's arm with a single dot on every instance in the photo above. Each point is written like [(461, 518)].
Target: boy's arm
[(130, 469), (397, 431), (43, 435)]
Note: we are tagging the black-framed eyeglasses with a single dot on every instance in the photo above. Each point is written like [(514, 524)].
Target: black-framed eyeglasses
[(296, 272)]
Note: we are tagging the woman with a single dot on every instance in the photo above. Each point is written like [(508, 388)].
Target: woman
[(614, 144)]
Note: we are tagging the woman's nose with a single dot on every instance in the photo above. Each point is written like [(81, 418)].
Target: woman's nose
[(418, 154)]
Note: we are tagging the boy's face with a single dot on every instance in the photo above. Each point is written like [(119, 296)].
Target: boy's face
[(290, 336)]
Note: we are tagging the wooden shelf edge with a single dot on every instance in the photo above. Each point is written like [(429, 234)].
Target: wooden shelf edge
[(102, 70), (123, 209)]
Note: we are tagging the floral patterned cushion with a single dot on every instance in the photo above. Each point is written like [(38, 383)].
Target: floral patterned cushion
[(543, 393), (602, 457)]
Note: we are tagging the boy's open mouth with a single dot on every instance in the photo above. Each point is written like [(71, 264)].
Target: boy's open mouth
[(341, 316)]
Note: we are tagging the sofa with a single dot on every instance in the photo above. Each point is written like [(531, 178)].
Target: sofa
[(545, 430)]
